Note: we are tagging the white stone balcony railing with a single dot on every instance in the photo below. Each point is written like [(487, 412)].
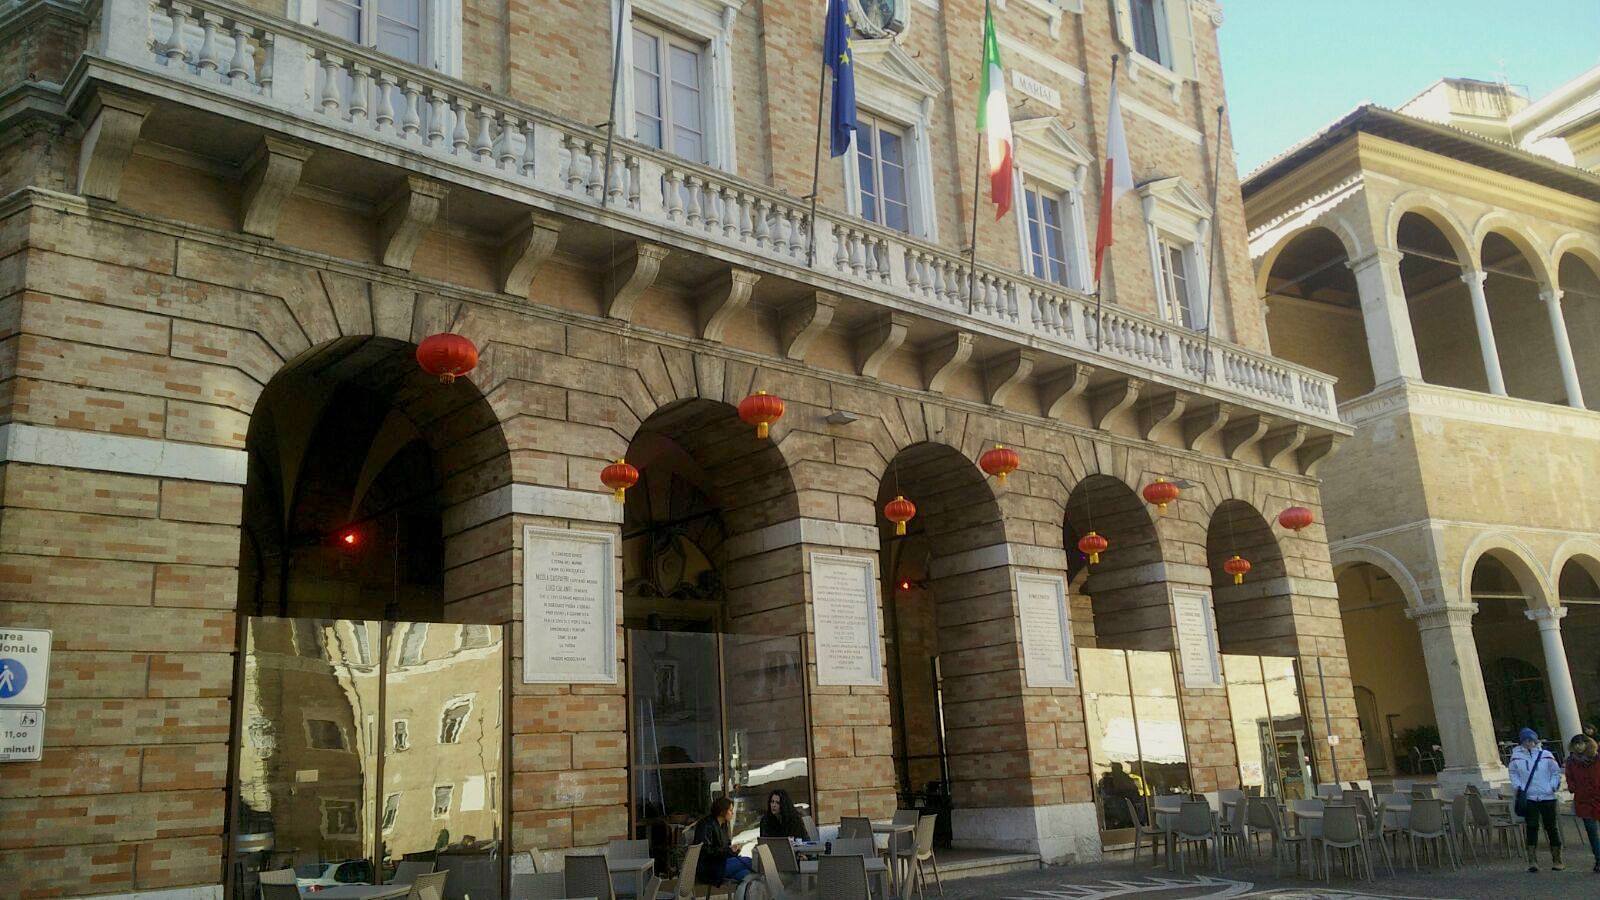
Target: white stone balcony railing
[(220, 50)]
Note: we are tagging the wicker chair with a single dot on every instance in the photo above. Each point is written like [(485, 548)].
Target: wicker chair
[(547, 886), (855, 827), (783, 856), (1341, 830), (589, 876), (684, 889), (628, 850), (842, 878), (855, 847), (771, 876)]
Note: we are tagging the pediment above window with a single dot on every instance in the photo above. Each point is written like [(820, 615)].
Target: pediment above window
[(1172, 204), (699, 16), (885, 66), (1046, 146)]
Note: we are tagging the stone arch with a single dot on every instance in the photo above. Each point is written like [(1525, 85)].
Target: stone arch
[(1504, 223), (1127, 589), (1257, 615), (1379, 558), (1314, 306), (1334, 225), (1518, 559), (1432, 207), (1577, 270), (1582, 246), (1582, 551)]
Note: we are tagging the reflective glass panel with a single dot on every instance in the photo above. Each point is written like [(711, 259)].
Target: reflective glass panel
[(677, 731), (1252, 723), (765, 679), (1293, 757), (1155, 705), (1113, 736)]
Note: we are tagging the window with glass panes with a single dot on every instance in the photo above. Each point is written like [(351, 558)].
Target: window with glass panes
[(1175, 278), (395, 27), (668, 92), (881, 155), (1045, 209), (1147, 15)]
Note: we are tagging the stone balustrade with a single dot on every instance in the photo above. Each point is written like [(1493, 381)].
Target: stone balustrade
[(254, 58)]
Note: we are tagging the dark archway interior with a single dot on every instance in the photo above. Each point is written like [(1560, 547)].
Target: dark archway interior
[(1580, 304), (354, 455), (1256, 616), (1509, 650), (1523, 335), (1126, 590), (1386, 662), (1440, 306), (1315, 311), (1580, 632)]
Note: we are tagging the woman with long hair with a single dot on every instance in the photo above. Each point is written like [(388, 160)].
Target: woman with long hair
[(781, 818)]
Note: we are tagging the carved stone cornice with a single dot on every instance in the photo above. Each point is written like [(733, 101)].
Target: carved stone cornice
[(526, 252), (270, 176), (721, 298), (633, 274), (941, 359), (404, 219), (806, 321)]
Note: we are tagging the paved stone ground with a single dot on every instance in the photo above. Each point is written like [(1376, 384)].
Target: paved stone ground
[(1497, 878)]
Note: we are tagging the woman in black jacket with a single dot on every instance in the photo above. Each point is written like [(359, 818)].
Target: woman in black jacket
[(782, 820), (718, 862)]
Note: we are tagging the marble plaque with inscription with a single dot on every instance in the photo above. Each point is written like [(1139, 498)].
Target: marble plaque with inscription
[(844, 592), (1197, 639), (569, 606), (1046, 632)]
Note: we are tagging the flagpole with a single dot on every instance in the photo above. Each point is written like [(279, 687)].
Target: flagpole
[(611, 114), (977, 168), (816, 162), (1211, 254), (1105, 185)]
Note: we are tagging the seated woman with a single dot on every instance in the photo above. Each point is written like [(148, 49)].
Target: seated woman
[(782, 820), (718, 861)]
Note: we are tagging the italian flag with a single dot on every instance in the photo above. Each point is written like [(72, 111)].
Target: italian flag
[(994, 118), (1119, 175)]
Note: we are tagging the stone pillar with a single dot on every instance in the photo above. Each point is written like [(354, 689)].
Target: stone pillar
[(1390, 343), (1558, 327), (1460, 703), (1473, 278), (1555, 662)]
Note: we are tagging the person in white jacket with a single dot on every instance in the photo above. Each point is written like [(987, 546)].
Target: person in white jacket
[(1534, 771)]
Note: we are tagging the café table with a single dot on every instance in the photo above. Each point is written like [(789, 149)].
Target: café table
[(629, 875), (891, 831), (876, 868), (810, 848), (360, 892)]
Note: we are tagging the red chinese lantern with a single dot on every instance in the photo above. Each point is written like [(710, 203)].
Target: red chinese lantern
[(1093, 545), (1161, 492), (619, 476), (761, 409), (999, 462), (1238, 567), (447, 356), (1295, 518), (899, 511)]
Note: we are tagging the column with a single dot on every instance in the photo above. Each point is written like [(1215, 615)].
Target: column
[(1390, 343), (1473, 279), (1559, 675), (1460, 704), (1558, 325)]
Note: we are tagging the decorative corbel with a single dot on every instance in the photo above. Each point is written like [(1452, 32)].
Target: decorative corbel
[(529, 248), (1279, 446), (1244, 433), (270, 176), (1007, 370), (1057, 392), (942, 358), (804, 322), (1112, 400), (1316, 450), (113, 124), (1160, 412), (405, 219), (878, 341), (723, 296), (1202, 423), (633, 274)]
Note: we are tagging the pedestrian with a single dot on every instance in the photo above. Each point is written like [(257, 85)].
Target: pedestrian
[(719, 862), (1537, 776), (1583, 779)]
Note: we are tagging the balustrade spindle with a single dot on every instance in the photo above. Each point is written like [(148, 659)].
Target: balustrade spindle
[(264, 77), (761, 230), (733, 214), (383, 117), (458, 133), (359, 90), (857, 262), (673, 190), (841, 252), (711, 207), (618, 180), (483, 144), (174, 50), (209, 59), (330, 85), (505, 143), (692, 201), (529, 149), (411, 120), (635, 184), (243, 61), (597, 169), (436, 118)]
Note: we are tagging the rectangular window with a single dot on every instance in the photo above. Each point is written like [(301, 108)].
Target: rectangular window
[(1147, 27), (1047, 234), (884, 170), (339, 818), (393, 27), (411, 646), (453, 720), (1175, 278), (442, 795), (669, 92), (323, 734), (402, 735), (391, 810)]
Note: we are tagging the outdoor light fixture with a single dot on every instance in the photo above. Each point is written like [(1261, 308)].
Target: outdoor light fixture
[(841, 417), (349, 538)]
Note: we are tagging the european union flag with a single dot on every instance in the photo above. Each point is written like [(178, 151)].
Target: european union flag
[(836, 56)]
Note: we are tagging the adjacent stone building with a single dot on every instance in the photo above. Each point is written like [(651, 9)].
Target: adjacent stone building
[(1442, 260), (225, 227)]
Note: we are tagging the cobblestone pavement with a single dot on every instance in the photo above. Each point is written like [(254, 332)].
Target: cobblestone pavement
[(1498, 879)]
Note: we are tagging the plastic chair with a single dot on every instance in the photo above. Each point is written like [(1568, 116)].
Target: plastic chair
[(1196, 826), (1283, 841), (782, 855), (589, 876), (548, 886), (855, 827), (771, 876), (523, 863), (409, 869), (276, 876), (925, 829), (1460, 829), (854, 847), (429, 886), (1341, 830), (1428, 826), (1329, 791), (684, 888), (1491, 827), (270, 891), (1375, 829), (1156, 834), (842, 878), (811, 828), (1259, 817), (1232, 828), (628, 849)]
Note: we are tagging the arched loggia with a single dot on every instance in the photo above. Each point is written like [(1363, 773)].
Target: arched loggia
[(1314, 310)]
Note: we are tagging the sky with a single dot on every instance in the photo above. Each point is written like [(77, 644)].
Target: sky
[(1294, 66)]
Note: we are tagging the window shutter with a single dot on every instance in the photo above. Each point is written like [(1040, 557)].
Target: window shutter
[(1180, 34), (1122, 21)]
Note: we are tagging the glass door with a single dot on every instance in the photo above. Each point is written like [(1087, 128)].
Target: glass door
[(1137, 749), (1269, 726)]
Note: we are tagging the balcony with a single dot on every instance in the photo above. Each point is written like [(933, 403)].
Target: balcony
[(222, 75)]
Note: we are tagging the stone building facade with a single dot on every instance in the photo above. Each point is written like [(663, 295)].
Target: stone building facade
[(1442, 260), (225, 227)]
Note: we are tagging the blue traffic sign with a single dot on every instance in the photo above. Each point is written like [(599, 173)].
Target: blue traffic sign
[(13, 678)]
